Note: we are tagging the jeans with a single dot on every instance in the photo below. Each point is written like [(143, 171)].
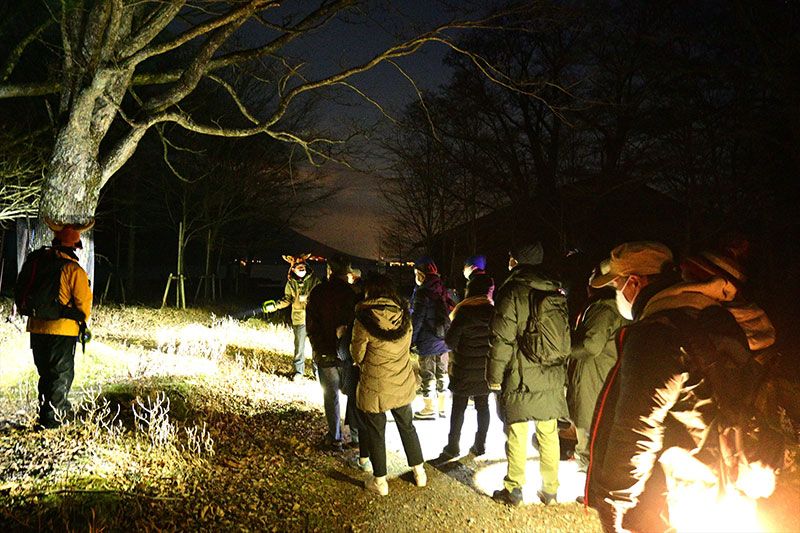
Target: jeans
[(517, 454), (433, 373), (375, 425), (460, 402), (299, 348), (331, 380), (54, 356)]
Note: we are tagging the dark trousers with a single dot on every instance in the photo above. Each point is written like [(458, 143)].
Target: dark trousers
[(433, 373), (54, 356), (375, 425), (354, 419), (460, 402)]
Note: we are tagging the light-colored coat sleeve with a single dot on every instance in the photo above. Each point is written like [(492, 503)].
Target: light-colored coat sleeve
[(358, 344)]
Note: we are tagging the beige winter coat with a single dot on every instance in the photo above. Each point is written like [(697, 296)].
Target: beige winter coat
[(381, 348)]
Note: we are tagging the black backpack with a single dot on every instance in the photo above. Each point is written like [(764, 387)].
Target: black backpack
[(734, 379), (38, 284), (546, 338)]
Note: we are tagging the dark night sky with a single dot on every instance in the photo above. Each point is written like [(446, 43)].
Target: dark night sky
[(352, 220)]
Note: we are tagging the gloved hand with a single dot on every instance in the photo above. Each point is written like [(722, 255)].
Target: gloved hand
[(86, 335), (268, 306)]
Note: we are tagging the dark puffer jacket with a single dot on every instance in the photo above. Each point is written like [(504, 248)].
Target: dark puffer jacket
[(428, 309), (654, 400), (331, 304), (594, 353), (529, 391), (470, 337)]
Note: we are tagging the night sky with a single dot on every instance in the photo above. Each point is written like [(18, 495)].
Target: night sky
[(352, 220)]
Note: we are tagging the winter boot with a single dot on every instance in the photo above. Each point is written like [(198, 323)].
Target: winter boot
[(547, 498), (512, 498), (378, 485), (427, 412), (420, 477), (442, 401)]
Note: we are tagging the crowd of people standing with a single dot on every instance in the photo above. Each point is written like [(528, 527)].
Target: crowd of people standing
[(625, 380)]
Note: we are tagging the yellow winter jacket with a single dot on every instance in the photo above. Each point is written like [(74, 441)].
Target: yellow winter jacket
[(75, 292)]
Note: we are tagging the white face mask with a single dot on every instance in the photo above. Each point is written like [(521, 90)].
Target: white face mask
[(300, 272), (467, 271), (624, 307), (419, 278)]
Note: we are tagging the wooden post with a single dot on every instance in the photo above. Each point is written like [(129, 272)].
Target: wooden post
[(105, 291), (166, 292), (179, 275)]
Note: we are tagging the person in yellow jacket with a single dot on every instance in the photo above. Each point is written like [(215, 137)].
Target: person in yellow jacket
[(53, 341)]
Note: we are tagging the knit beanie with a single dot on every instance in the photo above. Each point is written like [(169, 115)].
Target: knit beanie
[(480, 285), (477, 261), (426, 265), (528, 254)]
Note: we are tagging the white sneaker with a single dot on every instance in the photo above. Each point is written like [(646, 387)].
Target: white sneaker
[(420, 476), (378, 485)]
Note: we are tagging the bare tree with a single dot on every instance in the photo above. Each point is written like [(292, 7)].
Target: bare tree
[(131, 64)]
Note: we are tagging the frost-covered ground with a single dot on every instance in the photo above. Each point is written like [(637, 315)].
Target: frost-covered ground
[(187, 421)]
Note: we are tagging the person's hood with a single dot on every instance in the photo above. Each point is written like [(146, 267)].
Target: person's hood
[(471, 301), (755, 323), (534, 277), (697, 295), (433, 283), (384, 318)]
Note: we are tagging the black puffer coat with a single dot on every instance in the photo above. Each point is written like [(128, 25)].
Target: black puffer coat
[(470, 338)]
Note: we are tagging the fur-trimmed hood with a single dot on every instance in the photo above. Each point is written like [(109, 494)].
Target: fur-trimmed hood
[(384, 318)]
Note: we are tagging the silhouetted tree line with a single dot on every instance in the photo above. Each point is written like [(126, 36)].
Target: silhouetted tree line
[(700, 101)]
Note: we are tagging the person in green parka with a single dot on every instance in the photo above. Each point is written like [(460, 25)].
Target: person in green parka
[(298, 286), (594, 353), (527, 391)]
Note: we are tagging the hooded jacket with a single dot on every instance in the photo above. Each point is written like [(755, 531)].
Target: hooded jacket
[(381, 348), (470, 338), (429, 310), (529, 391), (594, 352), (653, 400), (296, 293), (74, 291)]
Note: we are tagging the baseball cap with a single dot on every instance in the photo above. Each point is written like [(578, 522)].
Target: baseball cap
[(643, 258)]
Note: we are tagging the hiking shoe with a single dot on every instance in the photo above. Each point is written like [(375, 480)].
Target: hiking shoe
[(328, 444), (442, 414), (425, 414), (580, 499), (296, 376), (513, 498), (547, 498), (420, 477), (477, 451), (378, 485), (362, 463)]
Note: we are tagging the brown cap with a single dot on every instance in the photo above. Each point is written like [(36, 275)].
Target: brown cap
[(643, 258)]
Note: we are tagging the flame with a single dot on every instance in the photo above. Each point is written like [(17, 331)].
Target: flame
[(697, 504)]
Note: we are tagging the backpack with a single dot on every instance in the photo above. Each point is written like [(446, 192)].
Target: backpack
[(546, 338), (38, 284), (734, 379)]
